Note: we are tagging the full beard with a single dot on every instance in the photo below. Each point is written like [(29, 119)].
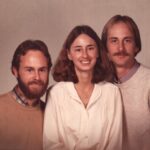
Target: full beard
[(34, 93)]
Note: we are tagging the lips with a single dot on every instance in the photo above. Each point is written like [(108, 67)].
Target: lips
[(85, 62), (121, 54), (39, 83)]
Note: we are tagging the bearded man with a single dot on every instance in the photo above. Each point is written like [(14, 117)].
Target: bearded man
[(21, 109)]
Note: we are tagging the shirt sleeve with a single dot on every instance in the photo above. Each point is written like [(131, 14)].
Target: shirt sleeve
[(149, 99), (51, 134), (116, 130)]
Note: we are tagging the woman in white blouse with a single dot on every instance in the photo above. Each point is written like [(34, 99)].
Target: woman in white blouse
[(84, 111)]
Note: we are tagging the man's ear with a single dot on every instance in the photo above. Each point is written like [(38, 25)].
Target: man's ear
[(15, 72), (136, 51)]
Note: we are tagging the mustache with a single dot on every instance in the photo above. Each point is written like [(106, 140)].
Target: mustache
[(38, 82), (122, 53)]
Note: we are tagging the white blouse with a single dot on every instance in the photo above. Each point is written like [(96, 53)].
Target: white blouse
[(68, 125)]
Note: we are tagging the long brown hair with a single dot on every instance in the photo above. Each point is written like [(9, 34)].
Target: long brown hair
[(129, 22), (63, 69)]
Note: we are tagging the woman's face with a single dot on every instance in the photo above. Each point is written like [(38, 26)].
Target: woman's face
[(83, 53)]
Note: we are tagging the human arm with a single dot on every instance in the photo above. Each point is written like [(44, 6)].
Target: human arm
[(52, 138), (116, 129)]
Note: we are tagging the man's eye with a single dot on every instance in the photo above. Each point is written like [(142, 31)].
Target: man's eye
[(29, 70), (43, 70), (113, 41), (128, 40)]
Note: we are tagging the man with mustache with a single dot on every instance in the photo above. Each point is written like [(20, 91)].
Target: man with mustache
[(21, 110), (121, 39)]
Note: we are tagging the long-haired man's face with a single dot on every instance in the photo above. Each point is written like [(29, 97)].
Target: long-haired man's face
[(121, 45), (32, 74)]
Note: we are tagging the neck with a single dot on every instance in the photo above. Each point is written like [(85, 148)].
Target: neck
[(84, 85), (84, 90), (84, 81), (84, 77), (122, 71)]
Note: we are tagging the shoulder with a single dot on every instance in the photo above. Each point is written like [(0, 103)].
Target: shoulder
[(110, 94), (107, 86), (61, 86), (109, 90), (55, 90), (143, 73), (59, 92), (5, 96), (5, 99), (144, 68)]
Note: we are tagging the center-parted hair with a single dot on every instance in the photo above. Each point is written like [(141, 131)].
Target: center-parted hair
[(64, 70), (25, 46), (129, 22)]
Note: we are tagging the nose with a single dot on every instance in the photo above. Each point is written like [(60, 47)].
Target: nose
[(84, 53), (37, 75), (121, 46)]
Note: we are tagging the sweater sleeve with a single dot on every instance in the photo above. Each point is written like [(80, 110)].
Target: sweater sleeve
[(51, 135)]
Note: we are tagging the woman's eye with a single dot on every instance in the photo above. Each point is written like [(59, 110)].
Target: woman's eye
[(77, 49), (91, 48)]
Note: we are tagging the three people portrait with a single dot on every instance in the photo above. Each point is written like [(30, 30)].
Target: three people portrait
[(100, 99)]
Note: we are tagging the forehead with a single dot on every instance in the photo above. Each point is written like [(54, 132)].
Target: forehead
[(120, 29), (83, 39), (33, 58)]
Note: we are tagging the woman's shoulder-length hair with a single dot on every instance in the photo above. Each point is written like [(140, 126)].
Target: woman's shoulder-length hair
[(64, 70)]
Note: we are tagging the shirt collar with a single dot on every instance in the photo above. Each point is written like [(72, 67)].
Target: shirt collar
[(21, 99), (73, 93)]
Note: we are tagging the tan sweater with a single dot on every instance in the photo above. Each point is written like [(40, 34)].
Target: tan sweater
[(20, 127), (136, 100)]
